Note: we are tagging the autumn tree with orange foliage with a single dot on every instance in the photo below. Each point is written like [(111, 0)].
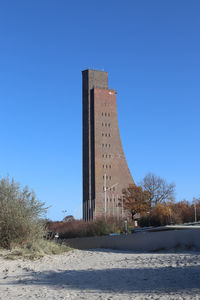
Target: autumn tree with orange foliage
[(184, 210), (136, 199), (172, 213), (161, 214)]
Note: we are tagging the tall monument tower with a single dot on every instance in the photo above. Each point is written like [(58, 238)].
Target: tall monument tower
[(105, 170)]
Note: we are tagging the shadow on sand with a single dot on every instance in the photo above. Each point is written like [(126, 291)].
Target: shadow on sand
[(166, 279), (162, 250)]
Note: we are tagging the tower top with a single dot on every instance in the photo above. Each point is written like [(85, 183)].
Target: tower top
[(95, 79), (92, 70)]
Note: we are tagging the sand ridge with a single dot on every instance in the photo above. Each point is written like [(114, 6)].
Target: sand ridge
[(102, 274)]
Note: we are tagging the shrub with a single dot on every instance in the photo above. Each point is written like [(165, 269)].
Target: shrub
[(20, 214), (169, 213), (79, 228), (160, 215)]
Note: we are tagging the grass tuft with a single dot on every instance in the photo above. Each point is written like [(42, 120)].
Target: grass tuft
[(35, 250)]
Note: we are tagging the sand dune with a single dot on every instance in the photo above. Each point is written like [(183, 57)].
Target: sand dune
[(102, 274)]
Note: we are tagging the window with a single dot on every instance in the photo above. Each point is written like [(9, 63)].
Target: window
[(102, 123), (106, 155), (102, 134), (110, 166), (106, 166), (102, 114), (109, 134), (109, 114), (105, 124), (103, 166), (105, 134), (110, 177), (102, 145), (105, 114), (108, 124), (102, 155), (109, 145), (106, 145), (109, 156)]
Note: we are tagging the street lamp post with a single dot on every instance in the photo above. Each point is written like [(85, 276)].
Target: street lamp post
[(105, 196), (195, 211), (105, 193)]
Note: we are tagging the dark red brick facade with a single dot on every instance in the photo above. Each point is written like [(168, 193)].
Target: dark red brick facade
[(104, 163)]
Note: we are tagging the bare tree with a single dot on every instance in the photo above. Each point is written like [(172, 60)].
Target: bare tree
[(159, 190)]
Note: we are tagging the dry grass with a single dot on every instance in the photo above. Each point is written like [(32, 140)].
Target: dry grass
[(35, 250)]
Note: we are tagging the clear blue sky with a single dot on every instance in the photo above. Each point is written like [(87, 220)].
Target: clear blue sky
[(151, 50)]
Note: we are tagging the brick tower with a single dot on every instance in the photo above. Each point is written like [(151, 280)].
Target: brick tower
[(105, 170)]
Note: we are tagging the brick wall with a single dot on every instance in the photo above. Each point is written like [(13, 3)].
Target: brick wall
[(104, 163), (110, 161)]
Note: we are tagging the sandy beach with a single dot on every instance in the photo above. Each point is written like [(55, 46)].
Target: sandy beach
[(102, 274)]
